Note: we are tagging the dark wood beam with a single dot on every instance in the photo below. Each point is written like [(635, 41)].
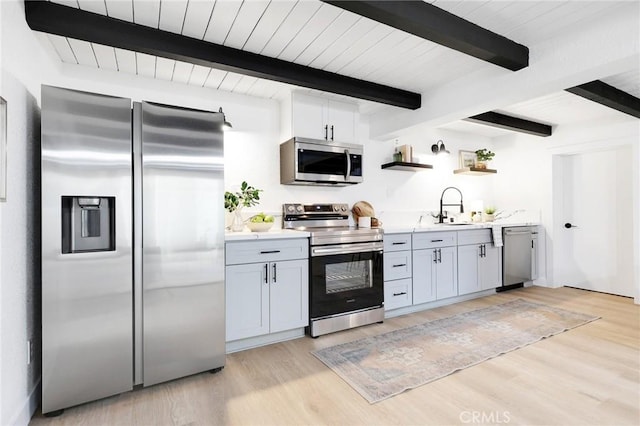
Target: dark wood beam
[(605, 94), (74, 23), (437, 25), (495, 119)]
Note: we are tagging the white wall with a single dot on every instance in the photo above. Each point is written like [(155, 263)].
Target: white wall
[(19, 219), (389, 191), (529, 172)]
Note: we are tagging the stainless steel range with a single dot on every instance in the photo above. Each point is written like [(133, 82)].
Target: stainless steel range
[(345, 267)]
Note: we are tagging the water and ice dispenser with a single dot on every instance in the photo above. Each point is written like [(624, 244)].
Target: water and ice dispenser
[(88, 224)]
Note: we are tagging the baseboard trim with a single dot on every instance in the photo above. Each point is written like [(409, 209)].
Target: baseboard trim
[(436, 304), (267, 339), (23, 416)]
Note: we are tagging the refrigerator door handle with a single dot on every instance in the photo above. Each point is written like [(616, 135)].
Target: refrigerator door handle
[(138, 336)]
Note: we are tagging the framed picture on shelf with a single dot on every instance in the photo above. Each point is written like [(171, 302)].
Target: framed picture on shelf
[(467, 159)]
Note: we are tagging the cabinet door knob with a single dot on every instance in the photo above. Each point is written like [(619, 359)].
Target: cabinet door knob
[(274, 273), (326, 132), (399, 265), (266, 273)]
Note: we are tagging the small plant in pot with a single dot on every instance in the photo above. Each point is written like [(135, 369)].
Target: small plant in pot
[(234, 202), (489, 214), (484, 155)]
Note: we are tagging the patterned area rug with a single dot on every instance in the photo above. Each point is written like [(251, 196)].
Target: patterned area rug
[(382, 366)]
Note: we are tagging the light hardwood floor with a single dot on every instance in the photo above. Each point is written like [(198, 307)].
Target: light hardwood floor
[(588, 375)]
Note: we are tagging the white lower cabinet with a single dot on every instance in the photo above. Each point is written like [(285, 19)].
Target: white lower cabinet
[(444, 264), (479, 262), (435, 274), (397, 271), (397, 265), (289, 295), (266, 297), (397, 294), (247, 301)]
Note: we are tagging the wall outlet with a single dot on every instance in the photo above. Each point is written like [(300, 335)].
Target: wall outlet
[(29, 351)]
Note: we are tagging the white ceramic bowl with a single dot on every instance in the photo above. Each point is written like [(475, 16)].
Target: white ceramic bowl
[(259, 226)]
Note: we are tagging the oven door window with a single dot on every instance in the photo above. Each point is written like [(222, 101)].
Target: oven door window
[(354, 275), (345, 282)]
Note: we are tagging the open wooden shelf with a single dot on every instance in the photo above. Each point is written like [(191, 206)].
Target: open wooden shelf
[(408, 167), (474, 171)]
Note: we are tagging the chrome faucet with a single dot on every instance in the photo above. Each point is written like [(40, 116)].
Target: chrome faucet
[(440, 216)]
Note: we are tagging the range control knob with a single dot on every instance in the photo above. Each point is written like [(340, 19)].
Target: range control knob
[(344, 208), (299, 209), (336, 208), (291, 208)]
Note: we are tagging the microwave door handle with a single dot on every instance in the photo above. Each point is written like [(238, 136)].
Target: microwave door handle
[(348, 155)]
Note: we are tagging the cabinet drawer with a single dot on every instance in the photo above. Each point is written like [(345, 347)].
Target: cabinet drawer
[(422, 240), (475, 236), (397, 265), (397, 242), (397, 294), (238, 252)]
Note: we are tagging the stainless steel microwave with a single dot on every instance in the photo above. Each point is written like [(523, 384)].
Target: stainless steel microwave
[(316, 162)]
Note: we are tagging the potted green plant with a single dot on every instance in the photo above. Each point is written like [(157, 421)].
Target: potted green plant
[(489, 214), (483, 156), (234, 202)]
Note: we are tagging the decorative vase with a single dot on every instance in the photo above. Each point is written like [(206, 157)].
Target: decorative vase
[(238, 223), (481, 165), (489, 217)]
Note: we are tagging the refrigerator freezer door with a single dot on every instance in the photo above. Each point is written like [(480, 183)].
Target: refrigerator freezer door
[(183, 242), (87, 294)]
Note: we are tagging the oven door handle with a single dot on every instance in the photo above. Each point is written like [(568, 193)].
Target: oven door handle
[(346, 249)]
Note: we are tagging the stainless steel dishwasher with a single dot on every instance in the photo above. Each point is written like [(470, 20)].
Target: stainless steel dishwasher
[(516, 256)]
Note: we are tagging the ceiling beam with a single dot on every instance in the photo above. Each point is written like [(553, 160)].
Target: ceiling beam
[(439, 26), (502, 121), (74, 23), (605, 94)]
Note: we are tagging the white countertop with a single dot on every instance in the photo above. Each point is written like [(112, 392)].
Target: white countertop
[(272, 234), (437, 227), (275, 234)]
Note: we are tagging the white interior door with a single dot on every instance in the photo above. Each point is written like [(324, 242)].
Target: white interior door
[(597, 232)]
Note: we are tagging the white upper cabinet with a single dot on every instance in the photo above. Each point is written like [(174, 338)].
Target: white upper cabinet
[(309, 116), (325, 119), (342, 121)]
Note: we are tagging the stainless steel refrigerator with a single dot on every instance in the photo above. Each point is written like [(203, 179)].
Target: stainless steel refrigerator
[(132, 245)]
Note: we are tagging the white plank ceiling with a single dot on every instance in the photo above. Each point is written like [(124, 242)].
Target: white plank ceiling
[(319, 35)]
